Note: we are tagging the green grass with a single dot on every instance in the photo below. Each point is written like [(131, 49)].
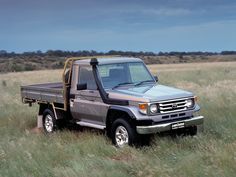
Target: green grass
[(24, 151)]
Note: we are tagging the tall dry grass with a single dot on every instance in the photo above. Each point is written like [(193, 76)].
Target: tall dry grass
[(25, 152)]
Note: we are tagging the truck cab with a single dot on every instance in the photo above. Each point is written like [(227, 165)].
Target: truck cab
[(118, 95)]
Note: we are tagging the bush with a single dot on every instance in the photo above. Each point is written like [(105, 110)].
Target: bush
[(4, 83), (17, 67), (29, 67)]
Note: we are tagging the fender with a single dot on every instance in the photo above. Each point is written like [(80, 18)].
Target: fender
[(124, 109), (59, 113)]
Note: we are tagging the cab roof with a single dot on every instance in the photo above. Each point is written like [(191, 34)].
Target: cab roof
[(110, 60)]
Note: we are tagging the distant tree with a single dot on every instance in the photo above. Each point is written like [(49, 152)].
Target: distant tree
[(3, 53), (228, 52), (50, 53), (39, 53)]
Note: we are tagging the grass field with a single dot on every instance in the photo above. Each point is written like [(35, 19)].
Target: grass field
[(25, 151)]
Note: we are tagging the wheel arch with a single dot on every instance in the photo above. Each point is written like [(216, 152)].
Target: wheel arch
[(115, 112), (43, 107), (59, 114)]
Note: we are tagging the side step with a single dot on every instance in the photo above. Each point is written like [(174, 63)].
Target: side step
[(87, 124)]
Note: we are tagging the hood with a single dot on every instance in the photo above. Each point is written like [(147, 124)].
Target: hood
[(149, 93)]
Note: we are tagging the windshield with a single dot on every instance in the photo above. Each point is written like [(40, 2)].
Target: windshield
[(117, 74)]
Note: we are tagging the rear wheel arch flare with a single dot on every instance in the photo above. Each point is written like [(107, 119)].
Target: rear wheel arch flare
[(43, 107), (59, 114)]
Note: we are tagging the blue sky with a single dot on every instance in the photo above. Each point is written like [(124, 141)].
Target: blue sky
[(103, 25)]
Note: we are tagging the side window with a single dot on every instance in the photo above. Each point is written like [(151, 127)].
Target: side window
[(86, 77)]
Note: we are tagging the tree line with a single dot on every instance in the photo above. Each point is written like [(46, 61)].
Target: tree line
[(61, 53)]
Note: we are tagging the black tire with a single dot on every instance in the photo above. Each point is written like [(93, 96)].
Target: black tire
[(145, 139), (188, 131), (133, 137), (193, 130), (49, 121)]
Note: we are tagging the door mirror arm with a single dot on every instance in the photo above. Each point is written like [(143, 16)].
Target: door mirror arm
[(156, 78)]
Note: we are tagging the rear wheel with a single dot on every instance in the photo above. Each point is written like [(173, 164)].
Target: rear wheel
[(122, 133), (49, 121)]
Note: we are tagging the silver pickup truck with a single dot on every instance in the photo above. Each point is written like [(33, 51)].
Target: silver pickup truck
[(115, 94)]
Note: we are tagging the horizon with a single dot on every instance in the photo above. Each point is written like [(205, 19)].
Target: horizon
[(116, 51), (150, 26)]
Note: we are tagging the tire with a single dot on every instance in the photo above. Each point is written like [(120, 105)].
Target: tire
[(193, 130), (189, 131), (122, 133), (49, 121), (145, 139)]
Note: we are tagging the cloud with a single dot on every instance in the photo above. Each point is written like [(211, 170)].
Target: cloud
[(167, 12)]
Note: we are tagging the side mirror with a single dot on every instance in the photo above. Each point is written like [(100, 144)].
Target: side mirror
[(156, 78), (81, 86)]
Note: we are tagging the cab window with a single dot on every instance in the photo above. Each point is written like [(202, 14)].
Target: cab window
[(86, 77)]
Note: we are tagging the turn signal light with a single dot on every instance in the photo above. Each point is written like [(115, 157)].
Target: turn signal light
[(143, 108)]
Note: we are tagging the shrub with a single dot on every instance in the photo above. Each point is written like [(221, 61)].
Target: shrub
[(4, 83)]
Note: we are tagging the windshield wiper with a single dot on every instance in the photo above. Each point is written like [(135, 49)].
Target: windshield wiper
[(124, 83), (140, 83)]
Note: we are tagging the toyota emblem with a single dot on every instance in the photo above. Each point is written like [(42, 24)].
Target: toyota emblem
[(174, 105)]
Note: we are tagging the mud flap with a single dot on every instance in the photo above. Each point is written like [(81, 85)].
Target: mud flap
[(39, 121)]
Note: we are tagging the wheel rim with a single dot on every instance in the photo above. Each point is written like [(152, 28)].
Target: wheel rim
[(48, 123), (122, 136)]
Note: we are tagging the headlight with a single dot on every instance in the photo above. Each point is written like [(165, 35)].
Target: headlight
[(190, 103), (153, 108)]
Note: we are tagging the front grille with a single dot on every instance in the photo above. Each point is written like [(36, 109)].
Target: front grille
[(173, 115), (172, 106)]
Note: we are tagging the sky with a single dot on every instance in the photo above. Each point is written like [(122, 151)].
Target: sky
[(128, 25)]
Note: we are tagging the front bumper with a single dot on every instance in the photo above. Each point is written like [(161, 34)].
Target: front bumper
[(168, 126)]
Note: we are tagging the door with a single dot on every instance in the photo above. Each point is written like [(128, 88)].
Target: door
[(87, 105)]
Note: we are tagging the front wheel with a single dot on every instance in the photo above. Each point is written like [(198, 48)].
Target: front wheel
[(188, 131), (193, 130), (123, 133)]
